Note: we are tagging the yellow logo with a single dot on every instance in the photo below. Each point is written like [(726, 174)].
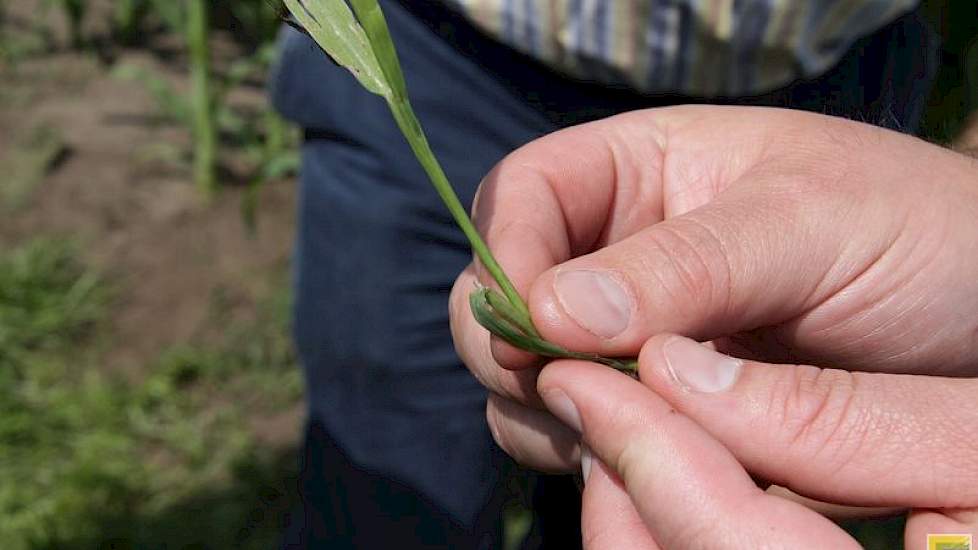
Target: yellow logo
[(948, 542)]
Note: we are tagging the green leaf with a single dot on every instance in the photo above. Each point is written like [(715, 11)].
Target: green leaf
[(369, 52), (378, 35), (360, 41), (501, 305), (484, 315), (499, 321), (332, 25)]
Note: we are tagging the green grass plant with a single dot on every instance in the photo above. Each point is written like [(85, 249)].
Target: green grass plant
[(27, 162), (359, 40), (204, 123), (263, 140), (92, 459)]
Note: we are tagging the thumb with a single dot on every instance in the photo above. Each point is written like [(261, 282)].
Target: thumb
[(763, 252)]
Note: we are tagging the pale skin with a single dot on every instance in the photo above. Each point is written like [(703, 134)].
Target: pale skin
[(784, 239)]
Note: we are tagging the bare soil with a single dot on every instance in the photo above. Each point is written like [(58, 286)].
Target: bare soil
[(120, 186)]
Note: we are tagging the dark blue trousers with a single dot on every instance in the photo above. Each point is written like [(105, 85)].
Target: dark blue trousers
[(397, 450)]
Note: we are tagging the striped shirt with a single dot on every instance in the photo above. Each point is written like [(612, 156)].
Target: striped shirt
[(697, 47)]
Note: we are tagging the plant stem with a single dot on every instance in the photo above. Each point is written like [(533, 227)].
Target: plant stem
[(409, 125), (204, 129)]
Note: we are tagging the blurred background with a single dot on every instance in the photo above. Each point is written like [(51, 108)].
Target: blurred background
[(149, 396)]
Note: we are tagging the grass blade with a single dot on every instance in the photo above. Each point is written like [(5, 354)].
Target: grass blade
[(502, 306), (332, 25), (498, 322), (360, 41), (365, 47), (204, 122), (374, 24)]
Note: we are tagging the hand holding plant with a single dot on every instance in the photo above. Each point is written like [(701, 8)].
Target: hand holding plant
[(359, 40), (808, 239)]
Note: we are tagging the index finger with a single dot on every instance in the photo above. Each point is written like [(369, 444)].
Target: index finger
[(555, 197), (580, 189), (688, 489), (559, 196)]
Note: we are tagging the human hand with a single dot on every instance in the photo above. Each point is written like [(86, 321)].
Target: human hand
[(672, 453), (784, 236)]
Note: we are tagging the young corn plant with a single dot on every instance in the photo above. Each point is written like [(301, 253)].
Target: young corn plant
[(204, 122), (262, 138), (360, 41), (191, 19)]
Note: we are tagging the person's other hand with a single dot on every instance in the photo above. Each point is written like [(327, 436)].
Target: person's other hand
[(671, 454), (783, 236)]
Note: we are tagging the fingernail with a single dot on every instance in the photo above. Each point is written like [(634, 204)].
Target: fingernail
[(585, 462), (595, 300), (563, 408), (699, 368)]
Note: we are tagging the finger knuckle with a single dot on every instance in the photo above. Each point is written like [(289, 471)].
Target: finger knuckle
[(508, 179), (820, 419), (692, 266)]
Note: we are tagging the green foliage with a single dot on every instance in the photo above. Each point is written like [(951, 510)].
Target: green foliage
[(172, 105), (48, 303), (87, 457), (47, 300), (258, 19), (204, 123), (333, 26), (17, 43), (127, 19), (267, 142), (494, 312), (361, 42), (27, 162)]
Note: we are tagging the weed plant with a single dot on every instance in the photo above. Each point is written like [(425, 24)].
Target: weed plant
[(88, 458)]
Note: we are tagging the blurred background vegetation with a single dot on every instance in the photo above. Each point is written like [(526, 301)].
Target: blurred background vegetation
[(149, 396)]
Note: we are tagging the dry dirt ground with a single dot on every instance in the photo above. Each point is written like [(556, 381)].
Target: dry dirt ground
[(119, 186)]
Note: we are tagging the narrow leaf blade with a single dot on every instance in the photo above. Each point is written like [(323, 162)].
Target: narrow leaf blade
[(502, 306), (336, 30), (482, 301), (378, 35)]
